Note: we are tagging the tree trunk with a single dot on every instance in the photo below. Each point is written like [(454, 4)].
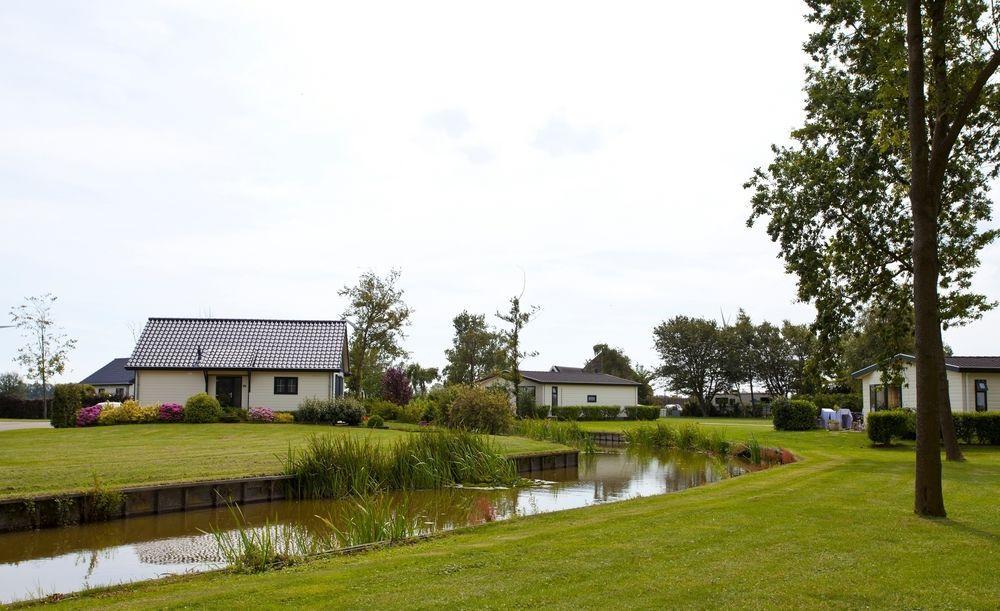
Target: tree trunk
[(928, 497), (951, 449), (45, 398)]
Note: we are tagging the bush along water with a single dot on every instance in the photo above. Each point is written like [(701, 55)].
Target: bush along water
[(336, 467), (693, 438)]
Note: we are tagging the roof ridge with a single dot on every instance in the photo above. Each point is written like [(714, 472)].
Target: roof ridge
[(340, 320)]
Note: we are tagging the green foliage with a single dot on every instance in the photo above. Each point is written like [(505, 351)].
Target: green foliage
[(566, 433), (987, 427), (413, 412), (45, 354), (12, 386), (794, 415), (526, 407), (421, 377), (587, 412), (377, 308), (201, 408), (694, 355), (66, 400), (249, 549), (965, 428), (886, 425), (372, 519), (387, 409), (234, 414), (129, 412), (517, 318), (642, 412), (476, 350), (613, 361), (102, 503), (481, 410), (835, 401), (335, 467), (375, 422), (330, 411), (308, 411)]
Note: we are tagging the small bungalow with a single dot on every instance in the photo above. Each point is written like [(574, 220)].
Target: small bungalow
[(113, 379), (564, 386), (969, 381), (242, 362)]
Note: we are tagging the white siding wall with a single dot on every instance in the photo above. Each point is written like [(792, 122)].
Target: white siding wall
[(576, 394), (312, 385), (165, 386), (113, 388), (961, 389)]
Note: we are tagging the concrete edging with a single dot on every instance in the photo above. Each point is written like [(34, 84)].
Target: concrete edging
[(55, 510)]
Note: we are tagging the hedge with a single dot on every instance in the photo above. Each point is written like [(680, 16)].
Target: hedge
[(330, 411), (12, 407), (794, 415), (982, 427), (586, 412), (886, 425), (65, 402), (642, 412)]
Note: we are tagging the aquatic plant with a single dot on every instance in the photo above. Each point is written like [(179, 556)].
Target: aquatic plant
[(694, 438), (102, 503), (247, 549), (370, 520), (336, 467), (567, 433)]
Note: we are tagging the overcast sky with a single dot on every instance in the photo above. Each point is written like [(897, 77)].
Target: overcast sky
[(240, 160)]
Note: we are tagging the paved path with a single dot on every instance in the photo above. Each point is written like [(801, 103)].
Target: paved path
[(13, 425)]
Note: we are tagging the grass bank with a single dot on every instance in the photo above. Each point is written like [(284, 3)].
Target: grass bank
[(833, 530), (38, 461)]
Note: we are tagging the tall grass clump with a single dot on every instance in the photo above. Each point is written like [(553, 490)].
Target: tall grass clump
[(336, 467), (695, 439), (247, 549), (370, 520), (566, 433)]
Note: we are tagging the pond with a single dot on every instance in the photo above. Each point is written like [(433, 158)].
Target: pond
[(39, 563)]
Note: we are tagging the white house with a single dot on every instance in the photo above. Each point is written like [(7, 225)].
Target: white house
[(242, 362), (113, 379), (565, 386), (969, 382)]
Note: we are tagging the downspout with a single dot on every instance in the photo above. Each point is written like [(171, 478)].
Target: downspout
[(249, 388)]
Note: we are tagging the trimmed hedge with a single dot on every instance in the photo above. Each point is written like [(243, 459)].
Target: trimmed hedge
[(642, 412), (982, 427), (12, 407), (330, 411), (586, 412), (886, 425), (794, 415), (202, 407), (66, 400)]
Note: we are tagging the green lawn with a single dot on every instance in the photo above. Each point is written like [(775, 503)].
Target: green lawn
[(36, 461), (833, 530)]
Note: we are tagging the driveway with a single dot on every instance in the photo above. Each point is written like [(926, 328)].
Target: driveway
[(13, 425)]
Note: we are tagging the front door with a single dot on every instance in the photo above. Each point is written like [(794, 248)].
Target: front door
[(229, 391)]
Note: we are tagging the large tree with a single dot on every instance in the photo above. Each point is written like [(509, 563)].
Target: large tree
[(44, 355), (881, 129), (13, 386), (379, 314), (614, 361), (476, 350), (693, 353), (421, 377)]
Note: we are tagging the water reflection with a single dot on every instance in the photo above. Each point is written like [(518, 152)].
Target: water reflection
[(37, 563)]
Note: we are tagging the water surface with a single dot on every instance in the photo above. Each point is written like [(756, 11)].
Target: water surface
[(63, 560)]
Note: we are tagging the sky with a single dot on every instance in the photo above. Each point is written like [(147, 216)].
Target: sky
[(237, 159)]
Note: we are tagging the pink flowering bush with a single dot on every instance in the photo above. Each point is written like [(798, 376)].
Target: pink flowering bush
[(88, 416), (261, 414), (171, 412)]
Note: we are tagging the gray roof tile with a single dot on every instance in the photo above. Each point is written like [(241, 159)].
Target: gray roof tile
[(233, 343), (112, 373), (575, 377)]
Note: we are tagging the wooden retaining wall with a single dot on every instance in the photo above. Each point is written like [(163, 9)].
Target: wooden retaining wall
[(66, 509), (608, 439)]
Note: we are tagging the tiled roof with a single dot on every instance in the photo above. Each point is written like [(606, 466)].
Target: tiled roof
[(112, 373), (232, 343), (575, 377), (565, 369)]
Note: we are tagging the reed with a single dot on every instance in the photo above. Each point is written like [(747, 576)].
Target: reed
[(370, 520), (693, 438), (337, 467), (565, 432), (247, 549)]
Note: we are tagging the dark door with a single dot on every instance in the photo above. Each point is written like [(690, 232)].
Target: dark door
[(229, 391), (555, 396)]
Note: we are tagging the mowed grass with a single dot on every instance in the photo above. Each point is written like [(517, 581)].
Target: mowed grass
[(38, 461), (834, 530)]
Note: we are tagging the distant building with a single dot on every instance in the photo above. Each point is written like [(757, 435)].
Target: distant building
[(566, 386), (113, 379)]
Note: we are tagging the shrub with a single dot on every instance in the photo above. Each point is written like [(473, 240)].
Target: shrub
[(260, 414), (14, 407), (233, 414), (566, 412), (66, 401), (477, 409), (351, 410), (376, 422), (396, 386), (443, 397), (794, 415), (88, 416), (526, 407), (308, 411), (171, 412), (642, 412), (284, 417), (987, 426), (202, 407), (884, 426), (128, 412), (386, 409), (413, 412)]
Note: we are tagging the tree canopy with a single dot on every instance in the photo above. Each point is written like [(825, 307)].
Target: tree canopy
[(476, 350)]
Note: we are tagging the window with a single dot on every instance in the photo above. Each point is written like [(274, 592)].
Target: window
[(883, 396), (286, 386), (591, 398), (981, 395), (338, 386)]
